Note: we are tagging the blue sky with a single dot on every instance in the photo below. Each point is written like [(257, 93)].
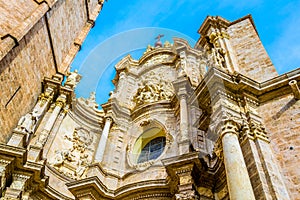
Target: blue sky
[(120, 24)]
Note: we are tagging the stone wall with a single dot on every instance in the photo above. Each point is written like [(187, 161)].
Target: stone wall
[(282, 119), (64, 26), (22, 71), (253, 60), (37, 39)]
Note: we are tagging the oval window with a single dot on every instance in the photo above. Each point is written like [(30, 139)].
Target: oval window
[(152, 149), (150, 145)]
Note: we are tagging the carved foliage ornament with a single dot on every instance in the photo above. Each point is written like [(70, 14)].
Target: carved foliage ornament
[(153, 89)]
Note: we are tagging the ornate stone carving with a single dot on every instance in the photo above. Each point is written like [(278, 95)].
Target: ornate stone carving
[(185, 183), (27, 123), (73, 162), (91, 101), (217, 53), (187, 195), (157, 59), (153, 89), (73, 78), (259, 131), (218, 149), (167, 44), (149, 48), (254, 131), (46, 96), (19, 181)]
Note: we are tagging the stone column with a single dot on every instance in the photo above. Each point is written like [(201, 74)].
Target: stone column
[(184, 125), (103, 140), (182, 87), (55, 129), (59, 104), (269, 163), (238, 180), (184, 117)]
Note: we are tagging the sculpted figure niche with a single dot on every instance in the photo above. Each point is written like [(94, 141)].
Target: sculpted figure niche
[(152, 89)]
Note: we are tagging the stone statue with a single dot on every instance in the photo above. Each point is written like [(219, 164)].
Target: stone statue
[(149, 48), (92, 96), (217, 54), (73, 78), (27, 123), (167, 44)]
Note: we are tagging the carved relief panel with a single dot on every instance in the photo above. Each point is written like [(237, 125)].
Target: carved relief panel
[(153, 88), (73, 158), (73, 150)]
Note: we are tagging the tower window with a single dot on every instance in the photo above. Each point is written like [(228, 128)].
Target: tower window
[(152, 149)]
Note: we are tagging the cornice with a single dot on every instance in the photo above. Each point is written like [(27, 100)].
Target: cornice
[(51, 192), (183, 45), (139, 111), (154, 52), (181, 160), (85, 115), (213, 21), (114, 110), (94, 184), (218, 22), (263, 92)]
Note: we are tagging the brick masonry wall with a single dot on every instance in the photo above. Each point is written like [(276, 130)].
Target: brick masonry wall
[(253, 59), (24, 67), (282, 120)]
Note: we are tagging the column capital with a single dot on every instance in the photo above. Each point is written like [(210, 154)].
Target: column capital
[(46, 96), (254, 131), (108, 118), (182, 86), (61, 101), (228, 126), (182, 95)]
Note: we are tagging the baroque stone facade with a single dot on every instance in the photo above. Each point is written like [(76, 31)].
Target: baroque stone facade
[(209, 122)]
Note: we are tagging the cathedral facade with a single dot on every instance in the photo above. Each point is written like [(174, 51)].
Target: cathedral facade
[(214, 122)]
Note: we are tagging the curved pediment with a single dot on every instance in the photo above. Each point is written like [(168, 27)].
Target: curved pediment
[(156, 55)]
